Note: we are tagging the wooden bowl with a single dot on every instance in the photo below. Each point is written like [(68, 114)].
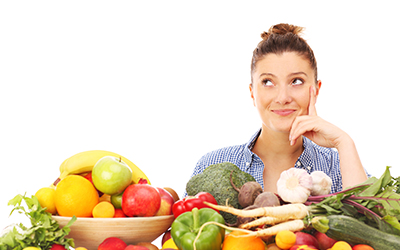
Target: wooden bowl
[(90, 232)]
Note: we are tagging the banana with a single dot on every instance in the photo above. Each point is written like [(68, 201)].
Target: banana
[(84, 162)]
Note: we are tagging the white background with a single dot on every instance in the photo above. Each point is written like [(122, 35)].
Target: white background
[(164, 82)]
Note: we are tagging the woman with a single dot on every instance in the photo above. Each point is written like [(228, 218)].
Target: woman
[(284, 89)]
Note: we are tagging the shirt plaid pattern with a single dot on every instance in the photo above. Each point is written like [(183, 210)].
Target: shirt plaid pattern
[(313, 158)]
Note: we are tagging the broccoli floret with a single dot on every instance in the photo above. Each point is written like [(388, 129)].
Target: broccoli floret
[(215, 180)]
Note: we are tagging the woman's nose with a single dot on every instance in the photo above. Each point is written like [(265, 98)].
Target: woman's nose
[(283, 96)]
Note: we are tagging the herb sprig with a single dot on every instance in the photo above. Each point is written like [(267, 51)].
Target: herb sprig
[(44, 230), (375, 202)]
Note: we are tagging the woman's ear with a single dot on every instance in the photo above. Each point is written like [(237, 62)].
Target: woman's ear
[(251, 93), (319, 83)]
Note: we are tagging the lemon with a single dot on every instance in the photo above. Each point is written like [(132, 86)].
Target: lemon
[(31, 248), (169, 244), (45, 196), (80, 248)]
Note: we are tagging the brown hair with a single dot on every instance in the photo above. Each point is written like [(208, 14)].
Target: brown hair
[(283, 38)]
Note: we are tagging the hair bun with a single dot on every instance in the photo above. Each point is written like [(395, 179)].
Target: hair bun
[(282, 29)]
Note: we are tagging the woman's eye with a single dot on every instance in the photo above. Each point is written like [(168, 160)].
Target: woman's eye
[(267, 82), (297, 81)]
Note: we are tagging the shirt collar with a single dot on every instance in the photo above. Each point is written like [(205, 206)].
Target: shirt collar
[(248, 154)]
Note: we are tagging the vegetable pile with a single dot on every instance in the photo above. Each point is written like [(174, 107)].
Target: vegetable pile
[(367, 213), (216, 180), (44, 231)]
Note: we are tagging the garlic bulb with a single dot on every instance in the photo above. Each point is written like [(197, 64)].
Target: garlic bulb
[(322, 183), (294, 185)]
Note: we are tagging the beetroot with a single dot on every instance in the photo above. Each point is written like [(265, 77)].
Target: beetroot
[(248, 192), (267, 199)]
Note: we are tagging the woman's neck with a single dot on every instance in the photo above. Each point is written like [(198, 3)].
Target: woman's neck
[(275, 145)]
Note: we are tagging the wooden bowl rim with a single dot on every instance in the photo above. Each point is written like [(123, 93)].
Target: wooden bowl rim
[(122, 219)]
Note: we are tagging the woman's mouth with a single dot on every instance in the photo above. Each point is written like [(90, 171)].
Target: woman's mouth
[(283, 112)]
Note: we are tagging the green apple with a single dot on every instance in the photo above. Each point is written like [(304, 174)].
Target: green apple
[(116, 200), (111, 175)]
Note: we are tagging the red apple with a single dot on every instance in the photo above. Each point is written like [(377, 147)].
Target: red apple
[(142, 200), (112, 243), (134, 247), (166, 236), (306, 239), (57, 247), (119, 213), (167, 201), (324, 241)]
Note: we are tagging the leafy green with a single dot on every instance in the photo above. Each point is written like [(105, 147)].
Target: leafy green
[(44, 230), (375, 202)]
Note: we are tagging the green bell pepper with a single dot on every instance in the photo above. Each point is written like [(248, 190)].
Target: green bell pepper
[(185, 228)]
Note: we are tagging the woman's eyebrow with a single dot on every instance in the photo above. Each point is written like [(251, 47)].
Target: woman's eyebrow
[(266, 74), (298, 73), (291, 74)]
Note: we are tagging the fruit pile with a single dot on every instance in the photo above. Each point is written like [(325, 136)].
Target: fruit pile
[(101, 184)]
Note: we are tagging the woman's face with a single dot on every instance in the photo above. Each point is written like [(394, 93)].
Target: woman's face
[(281, 89)]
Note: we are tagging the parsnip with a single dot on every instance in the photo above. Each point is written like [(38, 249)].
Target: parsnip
[(286, 212), (268, 220), (292, 225)]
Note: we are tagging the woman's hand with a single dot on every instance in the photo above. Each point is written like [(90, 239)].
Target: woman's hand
[(326, 134), (315, 128)]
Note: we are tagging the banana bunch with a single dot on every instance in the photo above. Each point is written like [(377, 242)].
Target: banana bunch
[(84, 162)]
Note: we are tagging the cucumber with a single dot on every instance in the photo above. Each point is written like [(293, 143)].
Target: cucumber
[(353, 231)]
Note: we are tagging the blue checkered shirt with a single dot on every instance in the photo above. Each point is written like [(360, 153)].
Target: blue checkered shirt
[(313, 158)]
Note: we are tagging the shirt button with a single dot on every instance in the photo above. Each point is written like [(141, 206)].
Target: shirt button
[(309, 168), (247, 164), (298, 164)]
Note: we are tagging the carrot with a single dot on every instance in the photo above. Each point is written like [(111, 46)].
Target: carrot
[(288, 211)]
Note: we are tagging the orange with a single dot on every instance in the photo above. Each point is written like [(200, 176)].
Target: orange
[(234, 241), (103, 209), (75, 195), (285, 239)]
